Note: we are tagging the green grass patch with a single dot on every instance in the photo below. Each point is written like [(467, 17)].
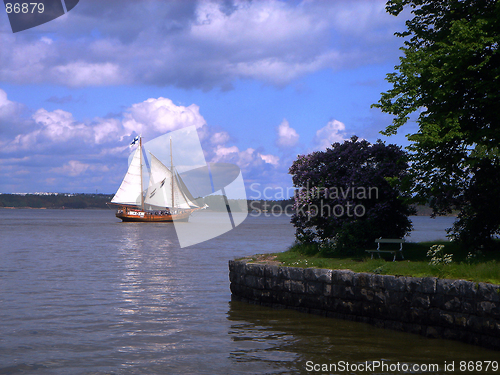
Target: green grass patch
[(481, 268)]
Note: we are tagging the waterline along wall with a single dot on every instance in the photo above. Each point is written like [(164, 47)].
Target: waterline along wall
[(451, 309)]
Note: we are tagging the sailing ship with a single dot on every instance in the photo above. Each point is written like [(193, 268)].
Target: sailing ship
[(166, 199)]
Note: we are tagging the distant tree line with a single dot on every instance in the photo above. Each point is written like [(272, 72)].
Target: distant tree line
[(55, 201)]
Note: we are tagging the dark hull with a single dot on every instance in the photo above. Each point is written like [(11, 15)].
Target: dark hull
[(135, 215)]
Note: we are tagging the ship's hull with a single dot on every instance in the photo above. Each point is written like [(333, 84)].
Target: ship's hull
[(137, 215)]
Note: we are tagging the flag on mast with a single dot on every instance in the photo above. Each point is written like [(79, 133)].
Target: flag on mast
[(136, 139)]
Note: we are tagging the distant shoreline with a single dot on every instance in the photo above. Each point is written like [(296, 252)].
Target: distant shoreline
[(99, 201)]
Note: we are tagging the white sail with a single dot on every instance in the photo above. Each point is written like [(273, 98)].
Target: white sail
[(130, 190), (160, 193)]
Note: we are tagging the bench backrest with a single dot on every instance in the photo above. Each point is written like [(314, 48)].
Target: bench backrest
[(389, 240)]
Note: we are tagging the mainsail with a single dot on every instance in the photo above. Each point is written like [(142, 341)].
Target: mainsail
[(130, 191), (161, 193)]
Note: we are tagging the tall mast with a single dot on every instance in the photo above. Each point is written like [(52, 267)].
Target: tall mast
[(172, 171), (142, 188)]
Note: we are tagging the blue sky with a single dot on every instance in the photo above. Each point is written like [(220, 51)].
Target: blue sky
[(262, 81)]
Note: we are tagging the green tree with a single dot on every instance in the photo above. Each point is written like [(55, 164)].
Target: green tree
[(450, 76)]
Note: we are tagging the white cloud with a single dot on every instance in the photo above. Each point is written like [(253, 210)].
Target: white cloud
[(220, 138), (287, 136), (8, 108), (200, 44), (81, 73), (247, 160), (265, 22), (333, 132), (72, 168), (59, 126), (160, 116), (106, 130), (50, 128), (221, 153), (270, 159)]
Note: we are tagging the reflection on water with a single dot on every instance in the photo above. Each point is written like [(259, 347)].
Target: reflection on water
[(284, 340), (82, 293)]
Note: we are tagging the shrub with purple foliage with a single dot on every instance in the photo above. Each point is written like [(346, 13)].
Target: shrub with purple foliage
[(349, 195)]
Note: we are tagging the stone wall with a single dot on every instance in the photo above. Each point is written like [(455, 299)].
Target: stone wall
[(451, 309)]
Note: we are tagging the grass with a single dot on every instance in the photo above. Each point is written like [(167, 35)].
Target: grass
[(482, 268)]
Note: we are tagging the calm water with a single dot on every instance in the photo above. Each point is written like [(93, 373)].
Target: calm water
[(82, 293)]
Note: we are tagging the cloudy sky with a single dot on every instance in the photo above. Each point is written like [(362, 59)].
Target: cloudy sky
[(262, 81)]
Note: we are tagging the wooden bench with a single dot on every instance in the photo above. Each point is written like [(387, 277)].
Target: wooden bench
[(387, 240)]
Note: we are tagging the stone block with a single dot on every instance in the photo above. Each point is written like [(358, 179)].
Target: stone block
[(327, 291), (419, 316), (379, 297), (250, 281), (318, 274), (488, 292), (284, 298), (461, 320), (265, 296), (395, 283), (348, 293), (296, 273), (412, 284), (337, 291), (284, 273), (446, 319), (474, 324), (394, 298), (364, 294), (421, 300), (494, 327), (468, 306), (296, 300), (484, 308), (255, 269), (314, 288), (421, 284), (313, 302), (469, 289), (377, 282), (276, 284), (370, 310), (362, 280), (343, 277), (325, 276), (237, 266), (427, 285), (293, 286), (452, 303), (241, 279), (495, 311), (271, 271), (449, 287)]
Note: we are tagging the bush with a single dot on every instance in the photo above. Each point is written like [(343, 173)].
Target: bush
[(349, 195)]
